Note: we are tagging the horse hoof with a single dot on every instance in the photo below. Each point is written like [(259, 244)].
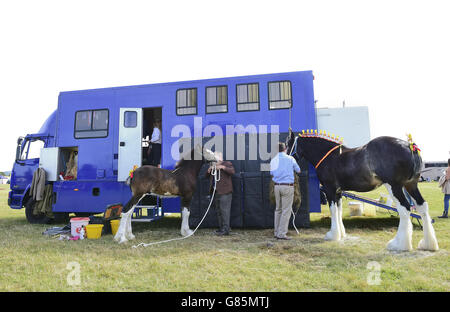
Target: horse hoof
[(430, 245), (123, 240), (130, 236), (117, 238), (393, 245), (187, 233), (330, 236)]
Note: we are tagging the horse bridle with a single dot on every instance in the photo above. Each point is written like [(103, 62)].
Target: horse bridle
[(327, 154), (294, 151)]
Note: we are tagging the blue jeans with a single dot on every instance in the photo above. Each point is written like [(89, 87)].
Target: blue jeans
[(446, 202)]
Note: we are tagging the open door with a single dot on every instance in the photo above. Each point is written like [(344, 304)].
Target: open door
[(130, 141)]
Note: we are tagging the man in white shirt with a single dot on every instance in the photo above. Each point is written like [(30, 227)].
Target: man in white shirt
[(155, 144), (282, 168)]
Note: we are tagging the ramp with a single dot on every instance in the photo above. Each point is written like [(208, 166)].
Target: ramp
[(378, 204)]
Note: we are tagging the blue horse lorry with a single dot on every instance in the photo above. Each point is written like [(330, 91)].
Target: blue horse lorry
[(103, 133)]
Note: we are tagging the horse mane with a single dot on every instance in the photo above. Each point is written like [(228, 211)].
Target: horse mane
[(321, 134)]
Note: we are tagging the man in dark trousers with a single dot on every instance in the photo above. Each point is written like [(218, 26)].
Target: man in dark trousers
[(224, 192)]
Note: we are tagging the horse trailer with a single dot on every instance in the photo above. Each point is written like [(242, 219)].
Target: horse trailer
[(99, 135), (433, 170)]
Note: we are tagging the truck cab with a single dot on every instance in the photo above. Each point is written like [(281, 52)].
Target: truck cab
[(26, 162)]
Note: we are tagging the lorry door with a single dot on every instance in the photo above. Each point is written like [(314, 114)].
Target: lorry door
[(130, 141), (27, 161)]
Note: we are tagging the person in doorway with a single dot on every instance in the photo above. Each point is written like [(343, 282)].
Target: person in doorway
[(224, 192), (282, 168), (444, 183), (155, 144)]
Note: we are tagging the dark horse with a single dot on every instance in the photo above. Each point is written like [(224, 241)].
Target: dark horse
[(180, 182), (384, 160)]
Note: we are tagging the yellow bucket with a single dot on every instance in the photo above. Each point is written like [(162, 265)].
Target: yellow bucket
[(94, 231), (114, 226)]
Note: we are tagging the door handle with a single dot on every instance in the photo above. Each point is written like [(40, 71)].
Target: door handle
[(122, 143)]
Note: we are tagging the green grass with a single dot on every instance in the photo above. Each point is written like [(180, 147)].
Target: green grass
[(249, 260)]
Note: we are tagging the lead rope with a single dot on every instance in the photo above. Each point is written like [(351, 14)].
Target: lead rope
[(216, 174), (292, 210)]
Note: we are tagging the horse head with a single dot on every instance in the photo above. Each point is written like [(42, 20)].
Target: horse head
[(202, 153), (208, 155), (292, 146)]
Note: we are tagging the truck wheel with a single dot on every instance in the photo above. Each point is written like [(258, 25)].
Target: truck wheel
[(61, 217), (32, 218)]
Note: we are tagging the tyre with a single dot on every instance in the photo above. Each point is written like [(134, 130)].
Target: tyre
[(32, 218), (61, 218)]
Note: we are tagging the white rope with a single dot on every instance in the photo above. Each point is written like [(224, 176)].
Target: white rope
[(293, 146), (216, 174), (292, 210)]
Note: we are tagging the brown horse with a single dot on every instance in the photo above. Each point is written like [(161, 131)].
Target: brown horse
[(180, 182)]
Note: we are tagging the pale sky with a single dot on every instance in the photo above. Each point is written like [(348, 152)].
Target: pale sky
[(391, 56)]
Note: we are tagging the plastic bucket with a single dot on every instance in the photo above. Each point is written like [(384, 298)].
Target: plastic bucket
[(114, 226), (356, 208), (76, 225), (94, 231)]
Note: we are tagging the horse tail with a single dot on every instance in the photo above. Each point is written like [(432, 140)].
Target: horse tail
[(417, 163)]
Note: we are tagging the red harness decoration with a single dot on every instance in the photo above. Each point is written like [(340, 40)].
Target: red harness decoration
[(327, 154), (132, 171), (414, 147)]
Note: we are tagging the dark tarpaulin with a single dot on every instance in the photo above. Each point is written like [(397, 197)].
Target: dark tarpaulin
[(251, 207)]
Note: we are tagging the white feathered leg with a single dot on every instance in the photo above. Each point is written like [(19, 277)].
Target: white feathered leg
[(403, 239), (128, 231), (341, 223), (334, 234), (185, 230), (429, 241)]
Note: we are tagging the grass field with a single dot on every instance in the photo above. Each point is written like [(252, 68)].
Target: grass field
[(249, 260)]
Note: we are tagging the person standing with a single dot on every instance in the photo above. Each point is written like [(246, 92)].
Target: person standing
[(282, 168), (224, 192), (444, 183), (155, 144)]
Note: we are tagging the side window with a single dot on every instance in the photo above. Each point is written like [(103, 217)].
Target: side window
[(91, 124), (280, 95), (32, 149), (187, 101), (130, 119), (216, 99), (247, 97)]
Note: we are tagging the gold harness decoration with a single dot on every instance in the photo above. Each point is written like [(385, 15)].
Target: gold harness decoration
[(413, 146), (132, 171), (323, 135)]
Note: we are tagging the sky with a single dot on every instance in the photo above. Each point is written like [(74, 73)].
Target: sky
[(391, 56)]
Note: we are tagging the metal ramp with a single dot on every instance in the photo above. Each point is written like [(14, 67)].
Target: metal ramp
[(145, 212), (376, 203)]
